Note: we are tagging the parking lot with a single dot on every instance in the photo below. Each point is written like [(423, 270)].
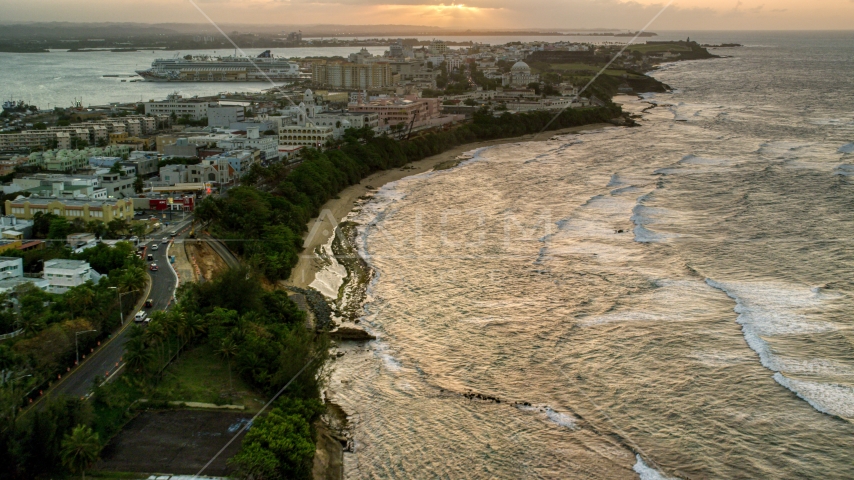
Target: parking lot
[(174, 441)]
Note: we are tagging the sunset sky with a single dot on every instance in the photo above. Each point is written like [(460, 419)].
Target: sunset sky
[(475, 14)]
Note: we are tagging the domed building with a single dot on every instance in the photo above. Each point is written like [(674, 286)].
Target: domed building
[(520, 76)]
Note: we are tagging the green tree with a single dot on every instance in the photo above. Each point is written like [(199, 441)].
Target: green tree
[(80, 449), (255, 462), (228, 349), (283, 436), (133, 278), (59, 229), (138, 184)]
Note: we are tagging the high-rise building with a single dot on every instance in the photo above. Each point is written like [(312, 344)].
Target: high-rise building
[(353, 75)]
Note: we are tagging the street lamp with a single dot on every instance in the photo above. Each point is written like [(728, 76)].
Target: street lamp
[(76, 348), (121, 313)]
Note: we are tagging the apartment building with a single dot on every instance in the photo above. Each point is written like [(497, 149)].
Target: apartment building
[(353, 75)]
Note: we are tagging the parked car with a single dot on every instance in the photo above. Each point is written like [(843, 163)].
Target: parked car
[(149, 303), (139, 317), (153, 267)]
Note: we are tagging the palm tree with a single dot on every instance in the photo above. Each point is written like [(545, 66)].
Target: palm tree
[(137, 356), (228, 349), (134, 278), (183, 330), (80, 449), (156, 334)]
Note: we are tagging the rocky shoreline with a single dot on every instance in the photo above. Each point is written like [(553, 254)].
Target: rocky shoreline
[(342, 317)]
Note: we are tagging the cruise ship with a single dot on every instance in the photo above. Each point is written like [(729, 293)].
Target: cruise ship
[(204, 68)]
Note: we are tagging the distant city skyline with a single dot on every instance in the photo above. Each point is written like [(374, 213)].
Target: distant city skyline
[(470, 14)]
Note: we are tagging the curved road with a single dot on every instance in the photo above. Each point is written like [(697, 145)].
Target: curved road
[(107, 360)]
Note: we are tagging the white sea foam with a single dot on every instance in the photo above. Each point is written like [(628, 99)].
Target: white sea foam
[(329, 279), (560, 419), (645, 472), (829, 398), (767, 310), (695, 160)]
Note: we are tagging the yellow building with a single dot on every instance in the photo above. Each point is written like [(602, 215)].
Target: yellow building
[(87, 210)]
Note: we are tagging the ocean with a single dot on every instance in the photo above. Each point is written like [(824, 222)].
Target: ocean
[(668, 301), (59, 78)]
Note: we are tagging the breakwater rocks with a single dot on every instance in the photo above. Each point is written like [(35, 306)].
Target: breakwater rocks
[(352, 334), (318, 304)]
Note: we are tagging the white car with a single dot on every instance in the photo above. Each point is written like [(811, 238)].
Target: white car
[(165, 240), (139, 317), (155, 246)]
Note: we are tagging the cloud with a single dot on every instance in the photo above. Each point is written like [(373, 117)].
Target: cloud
[(474, 14)]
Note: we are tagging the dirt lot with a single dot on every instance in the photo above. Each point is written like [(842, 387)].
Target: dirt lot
[(174, 441), (208, 261)]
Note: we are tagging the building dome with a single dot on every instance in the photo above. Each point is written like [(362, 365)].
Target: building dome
[(520, 66)]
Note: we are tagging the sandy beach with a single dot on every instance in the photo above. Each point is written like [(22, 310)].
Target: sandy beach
[(304, 272)]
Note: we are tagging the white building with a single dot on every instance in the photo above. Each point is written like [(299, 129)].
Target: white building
[(196, 109), (8, 285), (308, 135), (11, 267), (12, 275), (224, 115), (268, 145), (341, 121), (63, 275), (520, 75)]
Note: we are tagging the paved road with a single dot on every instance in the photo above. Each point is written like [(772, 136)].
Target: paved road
[(108, 359)]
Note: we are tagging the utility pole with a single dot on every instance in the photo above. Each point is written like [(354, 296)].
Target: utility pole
[(76, 347), (121, 313)]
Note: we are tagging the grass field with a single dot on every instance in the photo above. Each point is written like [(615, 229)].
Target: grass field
[(201, 376)]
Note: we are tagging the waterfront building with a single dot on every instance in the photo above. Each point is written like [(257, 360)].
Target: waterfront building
[(194, 108)]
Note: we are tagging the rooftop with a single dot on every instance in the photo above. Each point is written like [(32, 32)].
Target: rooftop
[(66, 264), (66, 201)]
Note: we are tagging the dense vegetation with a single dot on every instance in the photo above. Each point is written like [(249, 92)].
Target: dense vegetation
[(263, 219), (35, 444), (260, 334)]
